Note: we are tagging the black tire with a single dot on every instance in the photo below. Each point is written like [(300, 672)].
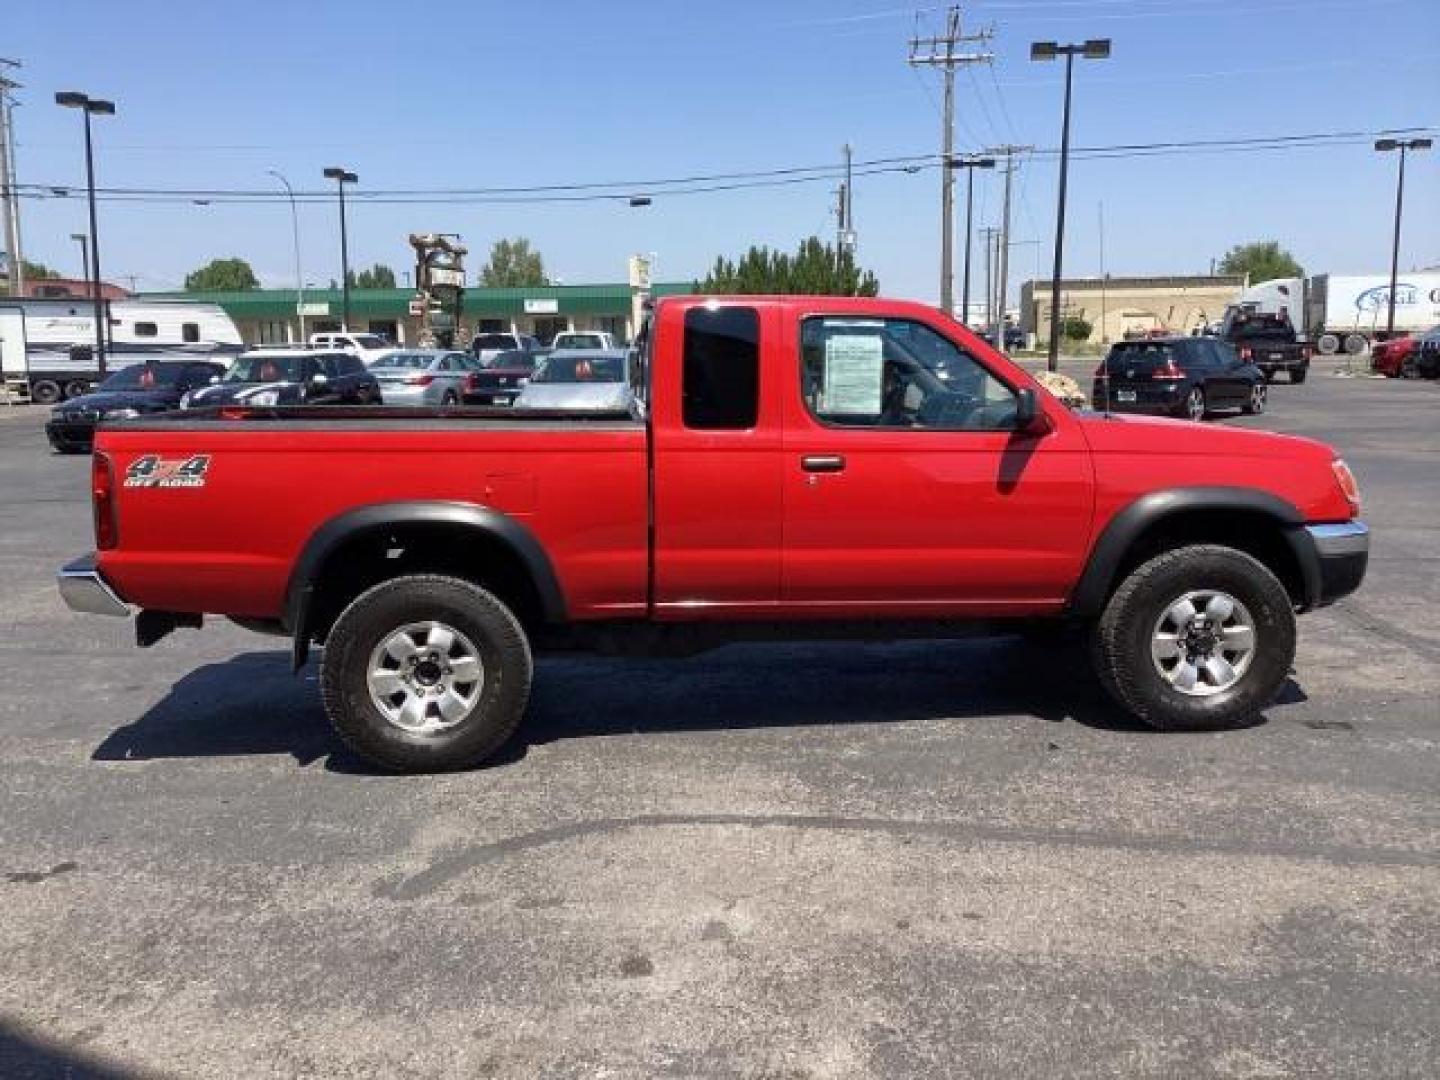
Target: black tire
[(76, 388), (1255, 402), (379, 612), (45, 391), (449, 401), (1409, 369), (1122, 640), (1297, 375), (1193, 407)]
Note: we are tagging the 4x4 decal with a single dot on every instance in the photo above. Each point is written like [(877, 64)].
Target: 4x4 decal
[(151, 471)]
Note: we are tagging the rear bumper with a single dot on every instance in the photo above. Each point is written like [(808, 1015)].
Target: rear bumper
[(84, 589), (1342, 553), (71, 435)]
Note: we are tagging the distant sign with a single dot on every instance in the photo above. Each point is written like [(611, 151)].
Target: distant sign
[(446, 277), (416, 308), (542, 306), (320, 307), (639, 272)]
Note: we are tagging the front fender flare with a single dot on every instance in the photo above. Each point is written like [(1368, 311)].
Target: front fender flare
[(1094, 587)]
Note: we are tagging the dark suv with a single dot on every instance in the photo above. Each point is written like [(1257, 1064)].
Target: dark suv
[(1177, 376), (132, 391), (268, 377)]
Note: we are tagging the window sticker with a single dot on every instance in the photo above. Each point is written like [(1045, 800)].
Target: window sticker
[(854, 375)]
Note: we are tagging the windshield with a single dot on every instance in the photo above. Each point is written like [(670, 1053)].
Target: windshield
[(143, 377), (579, 341), (405, 360), (249, 369), (1143, 358), (369, 341), (512, 359), (581, 369), (494, 341)]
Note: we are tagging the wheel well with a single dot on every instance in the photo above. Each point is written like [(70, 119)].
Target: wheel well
[(1252, 531), (378, 554)]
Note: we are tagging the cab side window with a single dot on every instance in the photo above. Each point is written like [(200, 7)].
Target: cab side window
[(897, 373), (721, 377)]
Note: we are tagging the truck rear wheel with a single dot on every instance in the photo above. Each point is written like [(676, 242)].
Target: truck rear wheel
[(1328, 344), (45, 391), (425, 673), (1196, 639), (1297, 375), (1355, 344)]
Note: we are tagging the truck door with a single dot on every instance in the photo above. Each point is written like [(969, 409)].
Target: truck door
[(716, 461), (907, 490)]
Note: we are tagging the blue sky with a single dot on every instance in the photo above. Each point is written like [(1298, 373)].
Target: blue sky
[(502, 93)]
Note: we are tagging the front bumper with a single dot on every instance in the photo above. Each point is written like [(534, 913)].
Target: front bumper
[(84, 589), (1342, 552)]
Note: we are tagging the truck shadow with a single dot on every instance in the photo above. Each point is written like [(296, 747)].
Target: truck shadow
[(252, 704)]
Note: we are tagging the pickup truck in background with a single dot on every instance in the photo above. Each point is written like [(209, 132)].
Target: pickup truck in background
[(1268, 342), (801, 472)]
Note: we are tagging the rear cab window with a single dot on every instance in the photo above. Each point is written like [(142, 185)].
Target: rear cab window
[(720, 381)]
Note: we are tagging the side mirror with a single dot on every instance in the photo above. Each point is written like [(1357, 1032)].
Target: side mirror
[(318, 380), (1029, 417)]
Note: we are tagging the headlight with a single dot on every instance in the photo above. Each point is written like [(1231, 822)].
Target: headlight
[(264, 397), (185, 399), (119, 414)]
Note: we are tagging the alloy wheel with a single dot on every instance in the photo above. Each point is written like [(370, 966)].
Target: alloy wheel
[(1203, 642), (425, 677)]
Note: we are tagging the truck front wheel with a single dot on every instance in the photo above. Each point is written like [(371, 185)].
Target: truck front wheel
[(425, 673), (1196, 639)]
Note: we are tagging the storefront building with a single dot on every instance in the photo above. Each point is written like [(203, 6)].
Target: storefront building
[(270, 316)]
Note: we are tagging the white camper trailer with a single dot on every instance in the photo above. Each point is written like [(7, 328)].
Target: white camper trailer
[(49, 345)]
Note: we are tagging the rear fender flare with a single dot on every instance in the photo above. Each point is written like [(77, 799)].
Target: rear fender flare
[(1098, 577), (379, 516)]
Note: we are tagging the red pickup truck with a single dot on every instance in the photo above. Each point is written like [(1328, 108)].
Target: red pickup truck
[(808, 467)]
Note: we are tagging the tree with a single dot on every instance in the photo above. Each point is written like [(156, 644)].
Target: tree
[(222, 275), (1263, 260), (814, 269), (378, 276), (513, 265), (37, 271), (1075, 328)]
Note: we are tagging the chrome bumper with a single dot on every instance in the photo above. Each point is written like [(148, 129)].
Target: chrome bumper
[(83, 589), (1342, 552), (1351, 538)]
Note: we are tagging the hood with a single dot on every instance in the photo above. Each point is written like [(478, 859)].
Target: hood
[(210, 397), (107, 400), (1158, 435), (577, 397)]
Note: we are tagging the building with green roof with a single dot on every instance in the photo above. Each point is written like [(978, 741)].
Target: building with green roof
[(270, 316)]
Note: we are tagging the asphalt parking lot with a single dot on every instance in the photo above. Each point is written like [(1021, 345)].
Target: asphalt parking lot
[(803, 862)]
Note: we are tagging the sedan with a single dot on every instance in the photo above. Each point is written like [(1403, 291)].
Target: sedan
[(152, 387), (1399, 357), (573, 380), (422, 378), (1187, 377)]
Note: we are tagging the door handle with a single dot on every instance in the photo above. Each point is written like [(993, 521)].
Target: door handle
[(822, 463)]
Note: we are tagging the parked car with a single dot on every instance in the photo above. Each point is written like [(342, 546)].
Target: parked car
[(268, 377), (132, 391), (1177, 376), (802, 474), (430, 378), (369, 347), (1014, 337), (486, 346), (581, 380), (584, 339), (1399, 357), (499, 377), (1267, 341)]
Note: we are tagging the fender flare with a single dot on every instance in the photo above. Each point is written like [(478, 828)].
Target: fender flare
[(1090, 593), (325, 540)]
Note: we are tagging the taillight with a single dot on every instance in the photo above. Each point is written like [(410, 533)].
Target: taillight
[(471, 381), (1348, 487), (1245, 354), (102, 497), (1171, 370), (419, 380), (1100, 370)]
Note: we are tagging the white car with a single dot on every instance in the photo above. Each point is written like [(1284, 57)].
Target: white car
[(584, 339), (581, 380), (369, 347)]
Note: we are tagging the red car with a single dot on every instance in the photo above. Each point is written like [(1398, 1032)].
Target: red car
[(1399, 356), (807, 467)]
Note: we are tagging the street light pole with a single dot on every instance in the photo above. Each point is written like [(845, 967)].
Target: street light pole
[(71, 99), (341, 178), (969, 164), (1403, 145), (1093, 49), (84, 242), (295, 234)]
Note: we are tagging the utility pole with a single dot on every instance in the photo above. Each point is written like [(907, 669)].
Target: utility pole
[(10, 202), (989, 232), (846, 242), (1008, 152), (940, 52)]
